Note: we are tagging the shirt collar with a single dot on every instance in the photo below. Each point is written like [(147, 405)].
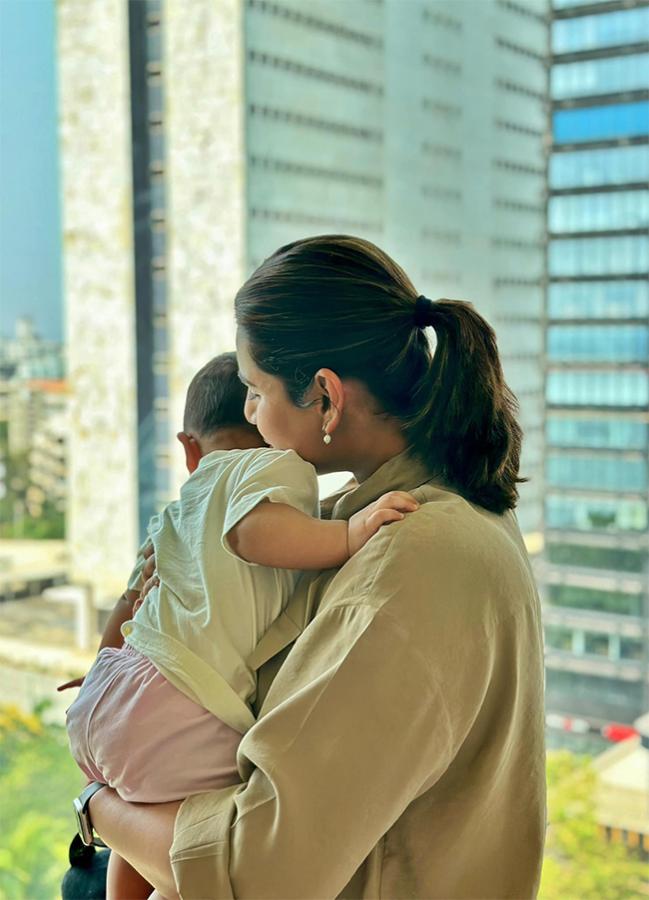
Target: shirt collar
[(403, 472)]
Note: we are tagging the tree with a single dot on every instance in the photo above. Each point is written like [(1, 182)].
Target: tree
[(38, 780), (579, 863)]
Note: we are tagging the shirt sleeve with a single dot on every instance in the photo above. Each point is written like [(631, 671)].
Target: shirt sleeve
[(332, 764), (278, 476)]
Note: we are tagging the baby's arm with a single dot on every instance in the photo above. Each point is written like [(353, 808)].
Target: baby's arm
[(278, 535)]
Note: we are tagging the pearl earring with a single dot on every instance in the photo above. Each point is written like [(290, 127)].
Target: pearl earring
[(327, 439)]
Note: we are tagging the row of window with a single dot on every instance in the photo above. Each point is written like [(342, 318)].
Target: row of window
[(562, 4), (608, 473), (593, 695), (341, 33), (599, 256), (600, 123), (520, 50), (610, 211), (627, 26), (442, 20), (600, 76), (611, 434), (299, 68), (613, 559), (331, 126), (566, 595), (598, 343), (613, 165), (522, 9), (573, 513), (603, 389), (303, 218), (598, 300), (594, 644), (294, 168)]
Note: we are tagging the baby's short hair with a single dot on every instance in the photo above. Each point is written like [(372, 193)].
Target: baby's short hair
[(215, 397)]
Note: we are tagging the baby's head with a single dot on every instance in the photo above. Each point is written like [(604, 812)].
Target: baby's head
[(214, 417)]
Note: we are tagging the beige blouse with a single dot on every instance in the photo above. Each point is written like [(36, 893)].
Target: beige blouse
[(399, 749)]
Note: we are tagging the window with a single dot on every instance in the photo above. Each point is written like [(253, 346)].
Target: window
[(599, 212), (614, 165), (601, 343), (600, 76), (597, 433), (608, 558), (558, 638), (599, 300), (604, 30), (599, 256), (573, 513), (608, 473), (597, 123), (596, 644), (591, 388), (566, 595), (631, 648)]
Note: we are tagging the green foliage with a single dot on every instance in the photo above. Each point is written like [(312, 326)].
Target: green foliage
[(579, 863), (38, 780)]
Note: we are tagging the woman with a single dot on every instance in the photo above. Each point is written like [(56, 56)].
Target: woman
[(399, 746)]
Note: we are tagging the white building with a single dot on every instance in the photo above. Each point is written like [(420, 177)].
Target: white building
[(417, 125)]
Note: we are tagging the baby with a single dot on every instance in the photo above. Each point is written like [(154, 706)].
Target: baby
[(161, 717)]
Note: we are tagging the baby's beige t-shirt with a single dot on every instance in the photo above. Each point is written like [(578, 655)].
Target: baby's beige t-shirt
[(211, 608)]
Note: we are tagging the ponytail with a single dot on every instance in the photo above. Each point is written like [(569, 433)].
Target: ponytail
[(463, 419)]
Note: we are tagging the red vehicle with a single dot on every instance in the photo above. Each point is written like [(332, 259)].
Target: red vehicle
[(616, 732)]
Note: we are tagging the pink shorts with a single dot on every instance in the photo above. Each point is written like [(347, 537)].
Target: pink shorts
[(132, 729)]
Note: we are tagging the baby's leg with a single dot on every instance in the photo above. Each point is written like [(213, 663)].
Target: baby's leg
[(123, 882)]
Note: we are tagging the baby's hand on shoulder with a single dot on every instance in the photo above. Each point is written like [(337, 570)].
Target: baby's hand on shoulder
[(390, 507)]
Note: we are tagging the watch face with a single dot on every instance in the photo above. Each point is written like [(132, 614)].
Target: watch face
[(83, 823)]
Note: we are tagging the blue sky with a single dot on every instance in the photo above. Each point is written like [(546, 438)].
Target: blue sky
[(30, 258)]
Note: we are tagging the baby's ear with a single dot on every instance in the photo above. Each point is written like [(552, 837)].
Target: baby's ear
[(192, 448)]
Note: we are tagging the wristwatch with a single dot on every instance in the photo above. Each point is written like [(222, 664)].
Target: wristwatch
[(82, 813)]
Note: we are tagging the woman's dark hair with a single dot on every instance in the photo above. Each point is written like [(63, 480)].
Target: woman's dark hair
[(215, 397), (340, 302)]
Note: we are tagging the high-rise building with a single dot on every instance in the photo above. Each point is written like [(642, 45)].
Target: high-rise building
[(198, 138), (596, 584)]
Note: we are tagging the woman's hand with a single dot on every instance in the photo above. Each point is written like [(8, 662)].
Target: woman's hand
[(391, 507), (150, 577)]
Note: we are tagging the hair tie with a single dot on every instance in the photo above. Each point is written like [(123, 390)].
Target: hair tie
[(423, 311)]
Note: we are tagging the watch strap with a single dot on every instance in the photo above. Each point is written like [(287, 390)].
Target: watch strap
[(88, 793), (85, 797)]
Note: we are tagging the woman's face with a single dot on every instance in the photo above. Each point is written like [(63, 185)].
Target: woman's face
[(281, 424)]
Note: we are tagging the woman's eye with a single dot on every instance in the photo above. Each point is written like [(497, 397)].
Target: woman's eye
[(252, 395)]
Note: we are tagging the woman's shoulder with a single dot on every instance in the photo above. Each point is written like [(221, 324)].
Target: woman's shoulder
[(450, 558)]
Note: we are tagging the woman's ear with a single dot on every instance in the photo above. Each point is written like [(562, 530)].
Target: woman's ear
[(331, 389)]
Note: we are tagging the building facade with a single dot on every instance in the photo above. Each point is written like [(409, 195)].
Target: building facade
[(596, 574), (232, 128)]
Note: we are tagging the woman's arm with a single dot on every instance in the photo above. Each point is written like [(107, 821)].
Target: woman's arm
[(275, 534), (122, 612), (141, 833)]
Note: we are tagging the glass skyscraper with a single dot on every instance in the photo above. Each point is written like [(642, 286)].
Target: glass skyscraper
[(597, 362)]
